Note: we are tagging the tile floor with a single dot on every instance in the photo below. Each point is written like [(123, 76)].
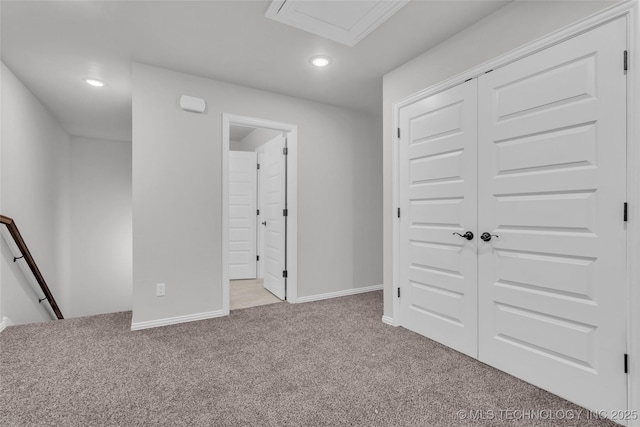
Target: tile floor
[(249, 293)]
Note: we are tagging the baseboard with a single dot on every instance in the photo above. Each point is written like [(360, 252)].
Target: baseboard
[(176, 320), (339, 294), (388, 320), (5, 322)]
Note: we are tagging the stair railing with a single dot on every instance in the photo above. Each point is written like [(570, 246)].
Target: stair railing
[(24, 251)]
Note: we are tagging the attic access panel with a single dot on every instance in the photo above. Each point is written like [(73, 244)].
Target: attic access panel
[(345, 22)]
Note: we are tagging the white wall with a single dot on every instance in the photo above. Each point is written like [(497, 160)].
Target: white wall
[(3, 320), (19, 300), (101, 242), (508, 28), (254, 140), (71, 199), (177, 192), (35, 193)]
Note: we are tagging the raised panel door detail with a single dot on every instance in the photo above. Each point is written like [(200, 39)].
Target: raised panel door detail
[(438, 272), (242, 215), (273, 191), (551, 184)]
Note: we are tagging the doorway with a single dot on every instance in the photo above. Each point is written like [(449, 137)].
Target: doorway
[(259, 212)]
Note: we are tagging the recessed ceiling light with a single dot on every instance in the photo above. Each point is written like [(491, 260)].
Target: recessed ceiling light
[(320, 61), (94, 82)]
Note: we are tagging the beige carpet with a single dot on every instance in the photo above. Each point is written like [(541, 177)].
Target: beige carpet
[(249, 293), (324, 363)]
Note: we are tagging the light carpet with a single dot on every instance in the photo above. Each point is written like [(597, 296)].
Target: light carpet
[(324, 363)]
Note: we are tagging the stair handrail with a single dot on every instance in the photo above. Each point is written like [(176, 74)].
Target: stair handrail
[(26, 254)]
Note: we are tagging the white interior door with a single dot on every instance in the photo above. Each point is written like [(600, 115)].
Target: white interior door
[(242, 215), (552, 187), (273, 184), (438, 197)]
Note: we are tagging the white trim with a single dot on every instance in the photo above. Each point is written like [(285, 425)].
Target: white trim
[(631, 11), (388, 321), (176, 320), (339, 293), (292, 218), (260, 234), (283, 11), (292, 200), (5, 322), (586, 24), (395, 197), (633, 198), (225, 214)]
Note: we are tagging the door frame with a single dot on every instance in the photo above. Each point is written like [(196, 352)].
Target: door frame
[(630, 11), (260, 233), (292, 201)]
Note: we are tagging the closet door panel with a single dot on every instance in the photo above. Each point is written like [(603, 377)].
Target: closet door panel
[(551, 186), (438, 269)]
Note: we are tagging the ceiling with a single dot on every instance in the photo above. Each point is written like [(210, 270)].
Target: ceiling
[(346, 21), (52, 45), (238, 133)]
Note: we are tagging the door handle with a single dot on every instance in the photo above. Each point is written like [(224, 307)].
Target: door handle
[(468, 235), (486, 236), (264, 223)]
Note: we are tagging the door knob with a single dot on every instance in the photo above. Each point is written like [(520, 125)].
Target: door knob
[(264, 223), (468, 235), (486, 236)]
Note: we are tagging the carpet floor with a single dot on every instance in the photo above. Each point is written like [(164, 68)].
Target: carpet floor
[(324, 363)]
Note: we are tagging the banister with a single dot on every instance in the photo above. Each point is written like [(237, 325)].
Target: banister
[(24, 250)]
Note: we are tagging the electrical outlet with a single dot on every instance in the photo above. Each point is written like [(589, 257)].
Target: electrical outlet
[(160, 289)]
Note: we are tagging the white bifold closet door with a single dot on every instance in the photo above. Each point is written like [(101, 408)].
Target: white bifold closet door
[(438, 197), (242, 214), (552, 186), (533, 153)]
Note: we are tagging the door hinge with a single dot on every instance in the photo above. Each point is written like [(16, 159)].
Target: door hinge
[(398, 292), (626, 209), (398, 212), (257, 257), (285, 151), (468, 80), (398, 133), (626, 58), (285, 212), (284, 273), (257, 211), (626, 363), (258, 165)]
